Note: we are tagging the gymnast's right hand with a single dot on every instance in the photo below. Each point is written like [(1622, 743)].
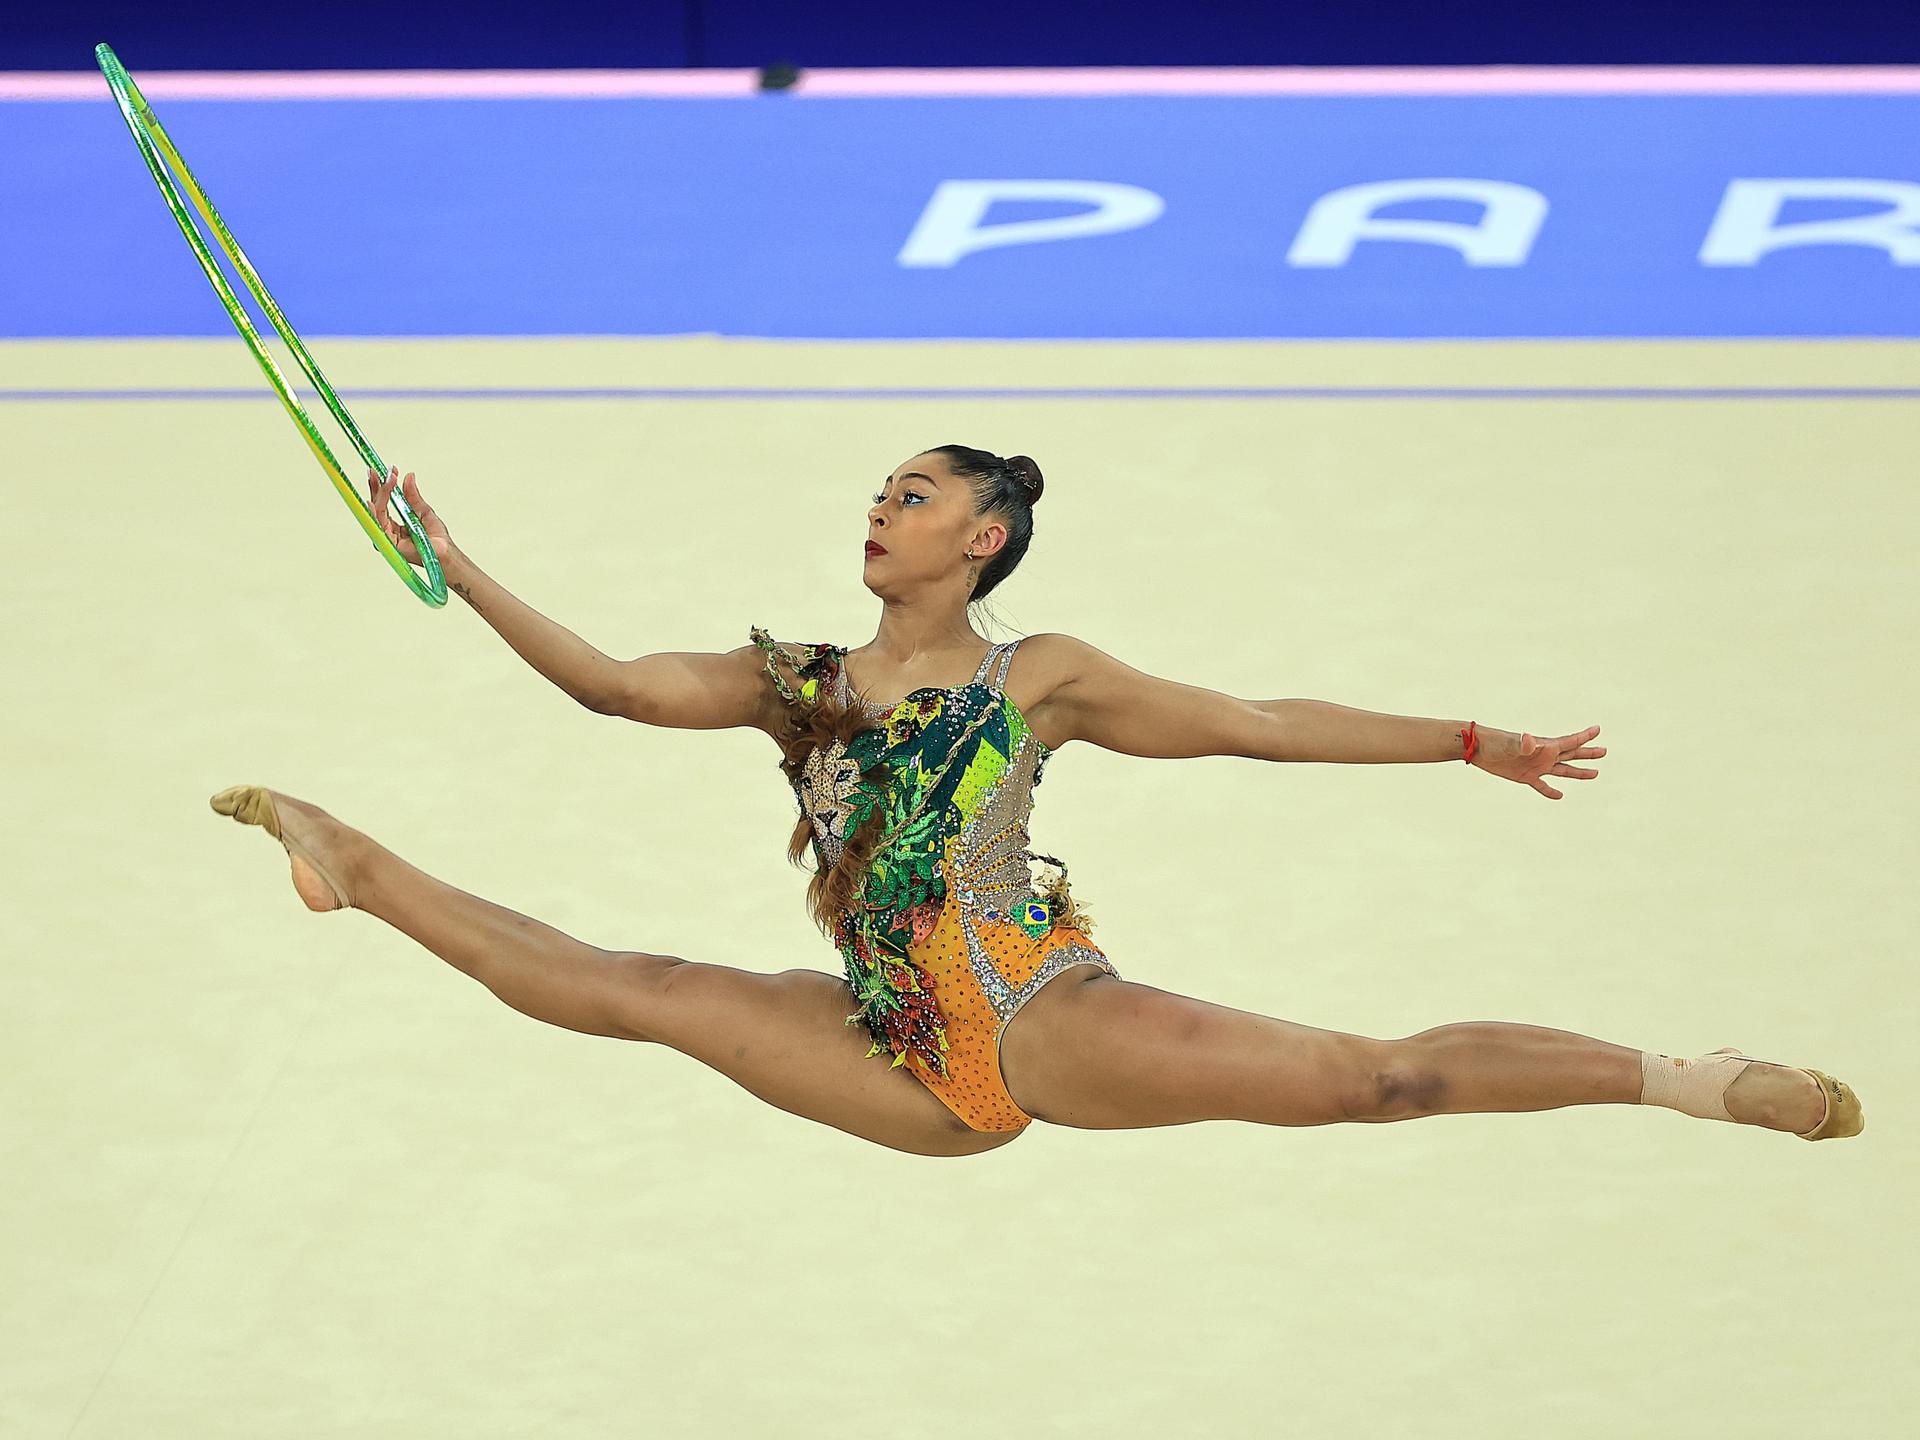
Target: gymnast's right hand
[(380, 491)]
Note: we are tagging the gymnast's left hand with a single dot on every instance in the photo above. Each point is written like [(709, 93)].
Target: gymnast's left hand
[(1525, 758)]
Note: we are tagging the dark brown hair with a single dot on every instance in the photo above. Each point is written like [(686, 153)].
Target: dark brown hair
[(1012, 486)]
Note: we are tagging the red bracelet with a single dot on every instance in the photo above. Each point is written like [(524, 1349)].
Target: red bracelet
[(1473, 741)]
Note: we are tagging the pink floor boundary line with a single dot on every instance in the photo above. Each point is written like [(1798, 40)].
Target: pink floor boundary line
[(28, 85)]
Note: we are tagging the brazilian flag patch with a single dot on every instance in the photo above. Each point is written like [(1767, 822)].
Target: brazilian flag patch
[(1035, 918)]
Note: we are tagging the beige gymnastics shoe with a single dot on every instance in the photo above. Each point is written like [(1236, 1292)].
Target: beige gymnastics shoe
[(1843, 1115), (253, 805)]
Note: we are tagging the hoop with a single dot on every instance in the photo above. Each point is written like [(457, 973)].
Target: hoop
[(152, 138)]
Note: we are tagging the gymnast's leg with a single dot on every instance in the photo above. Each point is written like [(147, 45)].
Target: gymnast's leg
[(782, 1037), (1105, 1053)]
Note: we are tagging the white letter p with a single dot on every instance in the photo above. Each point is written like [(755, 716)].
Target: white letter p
[(950, 227)]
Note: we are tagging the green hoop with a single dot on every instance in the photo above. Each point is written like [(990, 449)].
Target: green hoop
[(148, 134)]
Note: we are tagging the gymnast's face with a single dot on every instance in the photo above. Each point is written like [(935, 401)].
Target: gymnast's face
[(923, 515)]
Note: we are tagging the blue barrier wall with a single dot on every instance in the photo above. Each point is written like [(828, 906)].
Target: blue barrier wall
[(1114, 217), (461, 34)]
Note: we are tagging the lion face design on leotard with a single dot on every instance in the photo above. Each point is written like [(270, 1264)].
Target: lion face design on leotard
[(827, 782)]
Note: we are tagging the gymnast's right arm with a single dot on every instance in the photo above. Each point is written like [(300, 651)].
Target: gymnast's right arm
[(684, 691), (555, 651), (690, 690), (678, 689), (578, 668)]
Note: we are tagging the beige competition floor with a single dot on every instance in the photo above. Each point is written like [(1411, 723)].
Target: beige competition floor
[(268, 1173)]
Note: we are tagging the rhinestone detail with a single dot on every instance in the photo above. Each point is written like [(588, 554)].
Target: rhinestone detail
[(985, 864)]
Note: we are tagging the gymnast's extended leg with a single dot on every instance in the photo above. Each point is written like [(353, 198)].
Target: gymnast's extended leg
[(782, 1037), (1105, 1053)]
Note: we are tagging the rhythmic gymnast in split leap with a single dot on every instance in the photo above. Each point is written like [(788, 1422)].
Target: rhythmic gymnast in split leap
[(974, 1000)]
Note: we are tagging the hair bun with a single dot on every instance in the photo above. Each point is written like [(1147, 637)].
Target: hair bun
[(1028, 472)]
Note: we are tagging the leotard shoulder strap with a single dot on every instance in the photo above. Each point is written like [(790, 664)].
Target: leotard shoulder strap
[(811, 663)]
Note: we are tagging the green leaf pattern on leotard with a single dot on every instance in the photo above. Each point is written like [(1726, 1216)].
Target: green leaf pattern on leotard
[(927, 768)]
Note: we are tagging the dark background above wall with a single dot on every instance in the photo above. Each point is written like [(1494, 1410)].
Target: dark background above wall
[(467, 34)]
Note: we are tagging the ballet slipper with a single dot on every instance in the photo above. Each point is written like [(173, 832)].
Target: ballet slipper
[(253, 805), (1844, 1116), (1698, 1087)]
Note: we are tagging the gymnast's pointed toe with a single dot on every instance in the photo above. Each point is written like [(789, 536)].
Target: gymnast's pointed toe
[(1844, 1117), (250, 805)]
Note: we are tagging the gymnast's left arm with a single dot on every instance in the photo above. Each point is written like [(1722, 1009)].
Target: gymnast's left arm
[(1108, 703)]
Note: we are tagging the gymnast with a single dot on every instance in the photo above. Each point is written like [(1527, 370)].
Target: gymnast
[(973, 999)]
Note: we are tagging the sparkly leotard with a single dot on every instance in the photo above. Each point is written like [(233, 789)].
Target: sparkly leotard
[(948, 939)]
